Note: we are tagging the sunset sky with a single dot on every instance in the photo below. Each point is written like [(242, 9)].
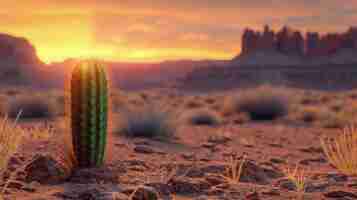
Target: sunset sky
[(155, 30)]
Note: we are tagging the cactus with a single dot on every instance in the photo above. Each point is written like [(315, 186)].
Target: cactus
[(89, 113)]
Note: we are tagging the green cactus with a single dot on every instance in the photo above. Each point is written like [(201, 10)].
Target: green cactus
[(89, 113)]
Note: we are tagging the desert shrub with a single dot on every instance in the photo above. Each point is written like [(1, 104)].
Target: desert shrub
[(10, 138), (341, 150), (150, 121), (31, 107), (263, 103), (336, 120), (325, 117), (311, 114), (203, 117)]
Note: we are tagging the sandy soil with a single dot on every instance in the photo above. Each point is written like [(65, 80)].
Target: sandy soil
[(194, 163)]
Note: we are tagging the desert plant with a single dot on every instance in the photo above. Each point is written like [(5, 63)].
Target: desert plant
[(298, 177), (234, 169), (337, 120), (89, 113), (341, 150), (311, 114), (10, 139), (31, 107), (150, 121), (203, 117), (264, 103)]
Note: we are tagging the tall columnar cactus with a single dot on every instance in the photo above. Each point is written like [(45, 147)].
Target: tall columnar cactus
[(89, 113)]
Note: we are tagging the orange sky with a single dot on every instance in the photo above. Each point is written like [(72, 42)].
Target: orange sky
[(154, 30)]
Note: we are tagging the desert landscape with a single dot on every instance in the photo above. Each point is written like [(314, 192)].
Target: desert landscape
[(262, 143), (177, 117)]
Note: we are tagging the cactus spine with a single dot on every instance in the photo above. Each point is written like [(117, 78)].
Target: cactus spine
[(89, 113)]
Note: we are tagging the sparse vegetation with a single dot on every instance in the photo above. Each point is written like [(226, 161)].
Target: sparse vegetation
[(31, 107), (151, 121), (10, 139), (310, 114), (298, 177), (324, 117), (203, 117), (234, 169), (341, 150), (263, 103)]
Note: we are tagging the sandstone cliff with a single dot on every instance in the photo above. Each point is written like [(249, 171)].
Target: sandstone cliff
[(18, 60), (292, 43)]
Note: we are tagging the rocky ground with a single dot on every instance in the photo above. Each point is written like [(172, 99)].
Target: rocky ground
[(195, 164)]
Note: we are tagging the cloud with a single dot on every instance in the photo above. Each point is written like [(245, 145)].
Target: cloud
[(161, 28)]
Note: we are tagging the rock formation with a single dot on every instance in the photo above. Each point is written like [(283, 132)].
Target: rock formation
[(18, 59), (292, 43)]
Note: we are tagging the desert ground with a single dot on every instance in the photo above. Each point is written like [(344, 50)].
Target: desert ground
[(258, 143)]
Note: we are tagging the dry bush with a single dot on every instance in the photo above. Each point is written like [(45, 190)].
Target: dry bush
[(341, 150), (298, 177), (337, 120), (263, 103), (324, 117), (151, 121), (10, 139), (31, 107), (312, 114), (203, 117), (40, 132), (234, 169)]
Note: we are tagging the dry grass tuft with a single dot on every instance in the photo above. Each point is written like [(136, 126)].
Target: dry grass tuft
[(10, 139), (341, 150), (39, 132), (298, 177), (234, 169)]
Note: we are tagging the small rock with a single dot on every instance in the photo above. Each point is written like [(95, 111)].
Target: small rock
[(253, 173), (214, 180), (318, 160), (183, 185), (94, 175), (144, 193), (188, 156), (142, 143), (31, 187), (45, 170), (162, 188), (144, 149), (277, 160), (287, 184), (252, 196), (276, 145), (271, 192), (316, 186), (337, 177), (208, 145), (340, 194), (219, 140), (312, 150)]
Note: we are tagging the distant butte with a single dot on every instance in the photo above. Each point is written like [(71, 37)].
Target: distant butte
[(291, 42)]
